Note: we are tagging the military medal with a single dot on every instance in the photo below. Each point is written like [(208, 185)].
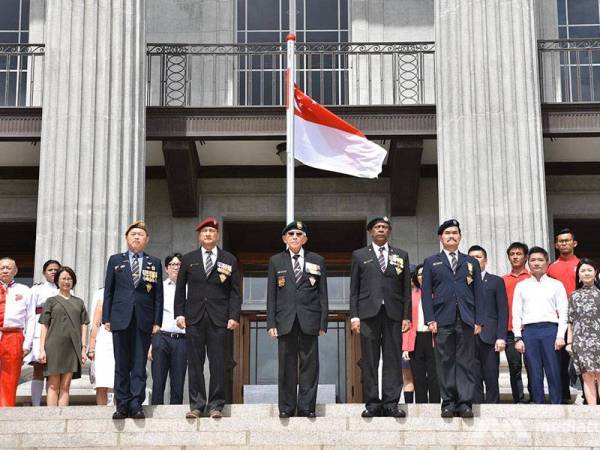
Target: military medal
[(224, 271), (312, 280), (281, 280), (398, 263), (470, 274), (148, 287), (222, 277)]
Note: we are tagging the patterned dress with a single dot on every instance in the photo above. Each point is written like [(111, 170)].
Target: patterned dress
[(584, 315)]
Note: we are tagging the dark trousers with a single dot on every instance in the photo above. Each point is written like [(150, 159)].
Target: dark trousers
[(168, 359), (130, 347), (381, 335), (454, 354), (298, 383), (486, 370), (422, 363), (541, 357), (515, 367), (565, 376), (205, 338)]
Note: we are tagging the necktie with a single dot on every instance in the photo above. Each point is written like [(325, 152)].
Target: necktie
[(2, 304), (297, 268), (135, 269), (209, 263), (381, 259), (453, 261)]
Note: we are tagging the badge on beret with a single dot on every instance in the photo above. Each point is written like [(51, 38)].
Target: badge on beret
[(281, 280), (299, 225)]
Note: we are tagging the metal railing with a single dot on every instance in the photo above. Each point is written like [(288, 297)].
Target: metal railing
[(21, 74), (569, 70), (254, 74)]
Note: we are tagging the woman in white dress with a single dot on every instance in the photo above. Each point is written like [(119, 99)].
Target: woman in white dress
[(101, 353), (39, 293)]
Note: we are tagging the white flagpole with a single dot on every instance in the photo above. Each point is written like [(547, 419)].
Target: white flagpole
[(291, 82)]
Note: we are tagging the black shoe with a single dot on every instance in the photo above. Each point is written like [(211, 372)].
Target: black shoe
[(447, 413), (193, 414), (309, 414), (394, 411), (465, 412), (139, 414), (371, 413), (285, 415), (119, 415)]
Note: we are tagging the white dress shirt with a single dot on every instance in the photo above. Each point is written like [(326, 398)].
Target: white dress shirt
[(385, 253), (540, 301), (168, 322), (421, 325), (300, 259), (447, 252), (19, 311)]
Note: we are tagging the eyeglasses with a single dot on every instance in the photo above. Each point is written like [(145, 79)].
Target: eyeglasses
[(295, 233)]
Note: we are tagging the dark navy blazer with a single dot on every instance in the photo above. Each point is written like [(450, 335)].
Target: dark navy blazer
[(495, 322), (443, 290), (122, 298)]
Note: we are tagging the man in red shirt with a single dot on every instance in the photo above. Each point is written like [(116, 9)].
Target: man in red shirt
[(517, 255), (563, 269)]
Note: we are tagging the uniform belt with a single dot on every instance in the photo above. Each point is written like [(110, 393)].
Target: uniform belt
[(39, 309), (173, 335), (10, 329)]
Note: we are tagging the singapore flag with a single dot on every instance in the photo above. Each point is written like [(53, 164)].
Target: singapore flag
[(325, 141)]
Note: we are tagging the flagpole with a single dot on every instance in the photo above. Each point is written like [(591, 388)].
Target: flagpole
[(291, 82)]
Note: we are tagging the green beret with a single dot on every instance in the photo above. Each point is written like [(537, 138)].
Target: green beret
[(296, 225)]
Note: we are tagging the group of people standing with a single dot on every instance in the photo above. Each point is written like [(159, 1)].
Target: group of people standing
[(445, 323)]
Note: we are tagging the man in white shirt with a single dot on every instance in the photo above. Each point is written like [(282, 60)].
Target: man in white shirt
[(168, 351), (17, 314), (539, 317)]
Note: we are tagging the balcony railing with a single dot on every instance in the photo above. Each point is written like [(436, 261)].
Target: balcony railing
[(254, 74), (21, 74), (332, 73), (569, 70)]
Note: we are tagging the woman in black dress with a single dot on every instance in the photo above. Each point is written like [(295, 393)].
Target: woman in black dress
[(63, 340)]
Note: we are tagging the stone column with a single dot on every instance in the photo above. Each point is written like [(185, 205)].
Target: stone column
[(490, 149), (92, 171)]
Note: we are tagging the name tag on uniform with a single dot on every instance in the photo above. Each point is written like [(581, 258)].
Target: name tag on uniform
[(368, 261), (437, 263)]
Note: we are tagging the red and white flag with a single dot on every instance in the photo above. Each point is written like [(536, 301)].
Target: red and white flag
[(325, 141)]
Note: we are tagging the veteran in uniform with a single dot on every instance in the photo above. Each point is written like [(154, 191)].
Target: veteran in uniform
[(207, 304), (17, 315), (453, 302), (297, 308), (132, 311), (381, 309)]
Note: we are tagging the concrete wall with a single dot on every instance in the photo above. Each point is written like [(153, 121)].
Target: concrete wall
[(211, 79), (392, 21), (19, 200)]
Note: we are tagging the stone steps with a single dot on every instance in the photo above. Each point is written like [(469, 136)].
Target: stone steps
[(338, 425)]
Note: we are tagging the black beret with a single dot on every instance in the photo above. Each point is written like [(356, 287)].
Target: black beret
[(296, 225), (376, 220), (447, 224)]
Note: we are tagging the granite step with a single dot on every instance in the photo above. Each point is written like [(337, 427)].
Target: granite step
[(338, 426)]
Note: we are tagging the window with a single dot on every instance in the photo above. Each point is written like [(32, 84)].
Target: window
[(580, 65), (14, 29), (323, 76)]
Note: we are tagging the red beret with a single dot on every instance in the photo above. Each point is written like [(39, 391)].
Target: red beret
[(208, 222)]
